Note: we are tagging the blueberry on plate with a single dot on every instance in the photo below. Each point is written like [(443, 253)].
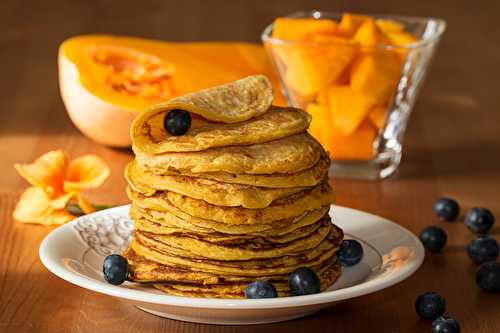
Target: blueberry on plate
[(433, 238), (445, 325), (350, 253), (177, 122), (447, 209), (303, 281), (260, 289), (479, 220), (483, 249), (430, 306), (115, 269), (488, 277)]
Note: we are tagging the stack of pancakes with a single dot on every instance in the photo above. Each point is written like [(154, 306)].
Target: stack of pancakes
[(243, 195)]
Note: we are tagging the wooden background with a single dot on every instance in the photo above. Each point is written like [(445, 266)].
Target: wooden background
[(452, 148)]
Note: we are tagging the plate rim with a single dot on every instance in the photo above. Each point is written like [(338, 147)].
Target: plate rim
[(325, 297)]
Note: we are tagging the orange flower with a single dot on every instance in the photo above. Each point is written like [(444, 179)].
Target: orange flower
[(56, 182)]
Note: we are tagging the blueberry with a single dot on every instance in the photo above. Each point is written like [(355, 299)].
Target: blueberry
[(479, 220), (303, 281), (115, 269), (433, 238), (488, 277), (177, 122), (260, 289), (350, 253), (447, 209), (483, 249), (445, 325), (430, 305)]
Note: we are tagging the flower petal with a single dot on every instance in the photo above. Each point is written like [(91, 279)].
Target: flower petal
[(34, 207), (48, 171), (62, 201), (85, 172), (86, 206)]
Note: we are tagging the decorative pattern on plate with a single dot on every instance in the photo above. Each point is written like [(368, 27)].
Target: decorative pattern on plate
[(105, 234)]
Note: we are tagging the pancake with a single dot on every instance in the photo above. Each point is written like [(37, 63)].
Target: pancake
[(145, 270), (150, 135), (233, 240), (177, 218), (165, 255), (199, 248), (289, 207), (211, 191), (250, 268), (288, 155), (227, 103), (237, 290), (308, 177)]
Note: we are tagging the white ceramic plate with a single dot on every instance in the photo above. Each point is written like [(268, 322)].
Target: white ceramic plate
[(75, 253)]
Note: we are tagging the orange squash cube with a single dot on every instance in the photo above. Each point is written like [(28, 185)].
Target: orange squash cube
[(348, 108), (369, 34), (388, 26), (356, 146), (350, 23), (311, 68), (376, 74), (297, 29), (401, 38), (320, 121), (377, 116)]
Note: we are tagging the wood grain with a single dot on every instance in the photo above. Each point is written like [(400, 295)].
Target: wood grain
[(452, 148)]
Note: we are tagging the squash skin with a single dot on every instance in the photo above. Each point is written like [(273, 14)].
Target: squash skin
[(105, 115)]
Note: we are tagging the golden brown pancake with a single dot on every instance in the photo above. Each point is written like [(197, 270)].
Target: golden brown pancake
[(178, 219), (289, 207), (288, 155), (278, 122), (211, 191)]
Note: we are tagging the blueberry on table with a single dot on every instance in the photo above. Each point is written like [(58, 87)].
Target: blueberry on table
[(430, 306), (447, 209), (479, 220), (177, 122), (303, 281), (488, 277), (445, 325), (433, 238), (115, 269), (483, 249), (260, 289), (350, 253)]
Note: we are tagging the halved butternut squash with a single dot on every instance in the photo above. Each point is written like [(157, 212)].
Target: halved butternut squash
[(106, 80)]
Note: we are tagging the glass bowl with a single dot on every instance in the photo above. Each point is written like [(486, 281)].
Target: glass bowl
[(360, 95)]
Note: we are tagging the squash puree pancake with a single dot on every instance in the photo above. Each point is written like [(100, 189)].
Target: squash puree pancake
[(146, 270), (308, 177), (198, 248), (327, 277), (289, 207), (211, 191), (277, 123), (179, 219), (257, 241), (288, 155), (164, 255)]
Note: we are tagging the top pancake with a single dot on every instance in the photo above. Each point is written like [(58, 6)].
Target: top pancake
[(239, 113)]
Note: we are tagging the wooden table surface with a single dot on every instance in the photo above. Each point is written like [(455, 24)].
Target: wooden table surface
[(452, 148)]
